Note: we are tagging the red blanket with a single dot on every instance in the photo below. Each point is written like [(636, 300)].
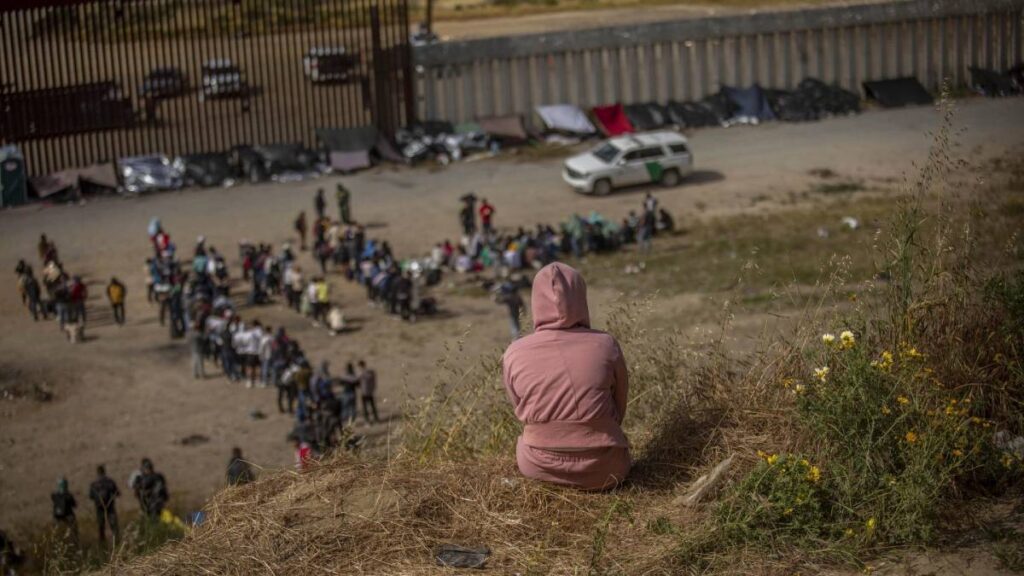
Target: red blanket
[(613, 119)]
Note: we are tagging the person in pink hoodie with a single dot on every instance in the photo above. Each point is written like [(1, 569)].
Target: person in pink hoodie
[(568, 385)]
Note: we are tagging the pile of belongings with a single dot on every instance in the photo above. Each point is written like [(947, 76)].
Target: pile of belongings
[(206, 169), (277, 162), (994, 84), (898, 92), (812, 99), (349, 149), (440, 140), (73, 182), (149, 173)]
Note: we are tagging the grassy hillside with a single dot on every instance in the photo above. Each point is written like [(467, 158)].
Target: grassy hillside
[(869, 419)]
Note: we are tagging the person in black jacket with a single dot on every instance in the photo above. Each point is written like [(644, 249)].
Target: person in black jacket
[(64, 509), (104, 493), (151, 489)]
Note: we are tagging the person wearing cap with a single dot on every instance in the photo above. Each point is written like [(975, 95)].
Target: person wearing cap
[(64, 509)]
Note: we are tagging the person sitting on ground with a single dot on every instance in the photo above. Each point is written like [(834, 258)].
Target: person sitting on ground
[(568, 385)]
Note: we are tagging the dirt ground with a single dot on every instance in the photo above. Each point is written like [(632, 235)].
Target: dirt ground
[(127, 392)]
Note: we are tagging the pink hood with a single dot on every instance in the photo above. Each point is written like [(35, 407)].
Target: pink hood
[(559, 299), (568, 383)]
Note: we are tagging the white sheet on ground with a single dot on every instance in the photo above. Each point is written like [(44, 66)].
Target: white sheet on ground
[(566, 118)]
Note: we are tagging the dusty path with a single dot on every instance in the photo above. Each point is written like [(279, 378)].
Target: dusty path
[(127, 393)]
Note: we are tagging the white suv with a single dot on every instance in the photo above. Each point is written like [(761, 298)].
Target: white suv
[(662, 157)]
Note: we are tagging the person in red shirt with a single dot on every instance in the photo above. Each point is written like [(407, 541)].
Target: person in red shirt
[(486, 214), (78, 293)]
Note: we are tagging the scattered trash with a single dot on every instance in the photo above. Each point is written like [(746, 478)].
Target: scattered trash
[(633, 268), (194, 440), (509, 482), (1012, 444), (823, 173), (455, 556), (851, 223), (706, 483)]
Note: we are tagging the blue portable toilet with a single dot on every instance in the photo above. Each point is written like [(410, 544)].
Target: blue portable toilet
[(13, 180)]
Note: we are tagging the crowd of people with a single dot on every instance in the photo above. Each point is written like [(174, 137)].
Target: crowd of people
[(61, 295), (196, 301), (482, 247)]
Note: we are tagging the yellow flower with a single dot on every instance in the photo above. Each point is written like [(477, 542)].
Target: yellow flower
[(910, 353), (958, 452), (787, 383), (761, 454), (885, 363), (886, 411), (870, 524), (848, 532), (911, 437), (950, 411), (821, 373), (814, 474), (787, 512), (772, 459), (847, 339), (828, 339), (903, 400), (805, 463), (799, 389)]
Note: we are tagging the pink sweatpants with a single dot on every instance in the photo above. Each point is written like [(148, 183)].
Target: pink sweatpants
[(593, 469)]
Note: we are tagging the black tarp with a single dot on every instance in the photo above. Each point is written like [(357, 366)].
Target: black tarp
[(991, 83), (648, 116), (691, 115), (209, 169), (812, 100), (281, 158), (1016, 75), (720, 105), (898, 92), (248, 163), (828, 99), (359, 139), (751, 106), (791, 106), (259, 163)]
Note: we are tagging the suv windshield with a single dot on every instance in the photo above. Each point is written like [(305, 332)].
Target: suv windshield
[(606, 153)]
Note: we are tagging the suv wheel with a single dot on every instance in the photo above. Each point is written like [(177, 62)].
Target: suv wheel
[(602, 187), (670, 178)]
